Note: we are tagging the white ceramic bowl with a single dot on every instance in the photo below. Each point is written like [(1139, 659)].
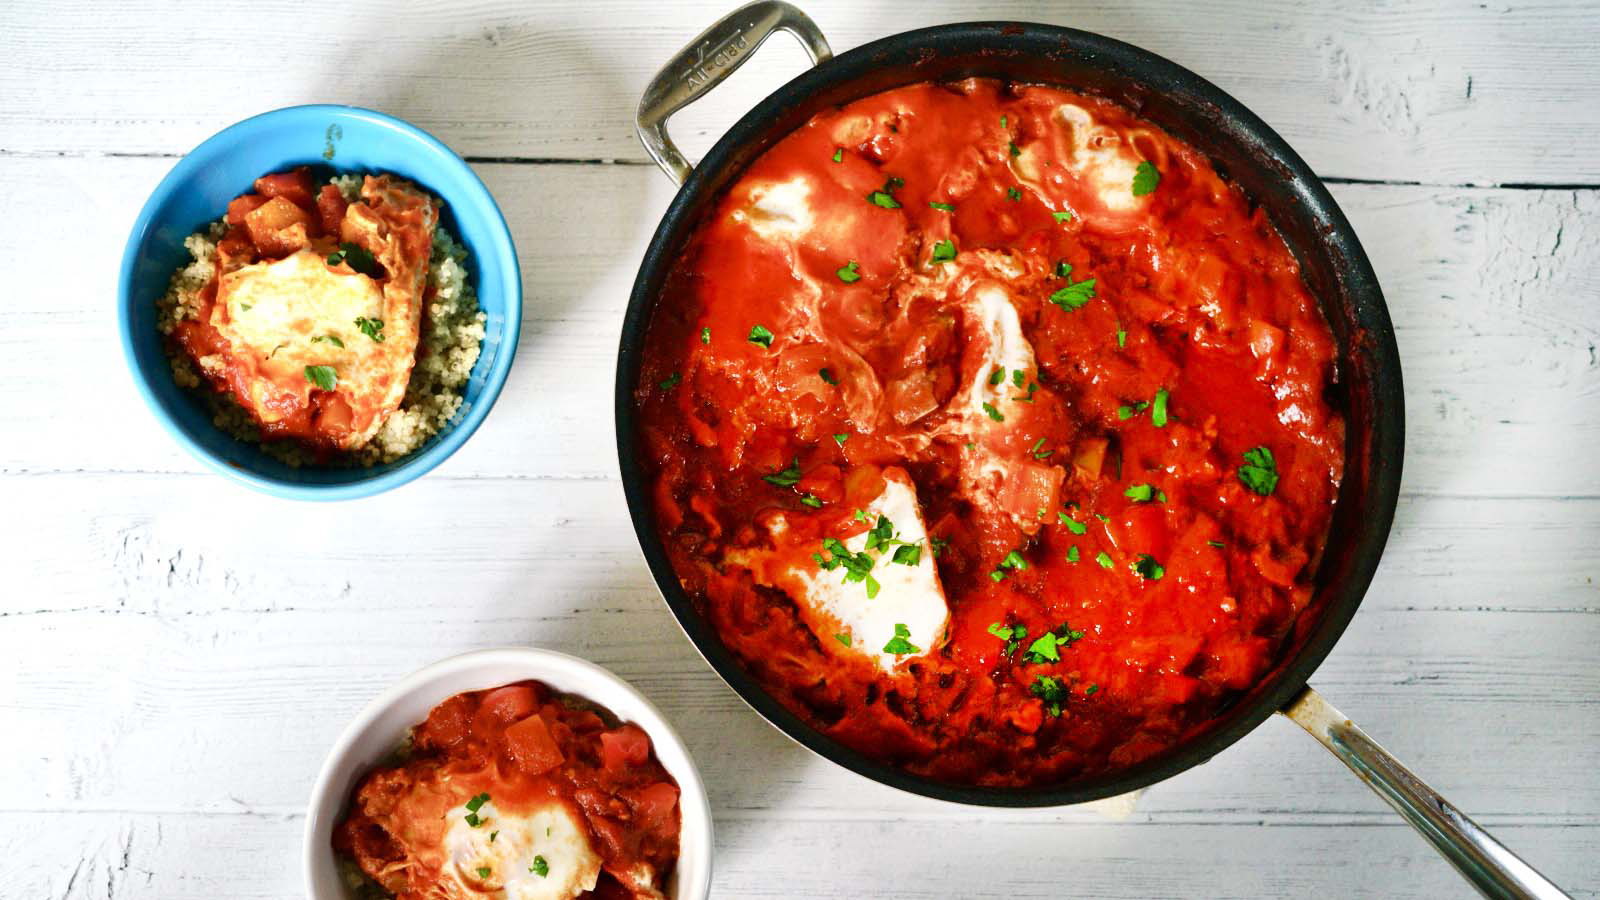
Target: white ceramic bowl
[(386, 721)]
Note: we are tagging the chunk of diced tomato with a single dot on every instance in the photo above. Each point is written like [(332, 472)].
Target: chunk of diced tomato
[(243, 205), (331, 208), (624, 747), (502, 706), (653, 805), (532, 747), (294, 186)]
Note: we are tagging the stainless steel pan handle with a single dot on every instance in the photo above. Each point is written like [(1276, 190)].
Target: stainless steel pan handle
[(709, 59), (1485, 862)]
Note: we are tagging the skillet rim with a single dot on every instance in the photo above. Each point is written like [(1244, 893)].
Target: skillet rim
[(1373, 348)]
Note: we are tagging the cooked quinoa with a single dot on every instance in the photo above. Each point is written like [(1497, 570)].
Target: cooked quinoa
[(451, 340)]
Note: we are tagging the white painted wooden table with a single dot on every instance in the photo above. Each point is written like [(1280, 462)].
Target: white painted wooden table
[(176, 653)]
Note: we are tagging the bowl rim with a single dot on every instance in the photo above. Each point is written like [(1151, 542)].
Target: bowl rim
[(694, 884), (500, 245)]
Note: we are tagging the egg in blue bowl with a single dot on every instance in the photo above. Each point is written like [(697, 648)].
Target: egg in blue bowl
[(320, 302)]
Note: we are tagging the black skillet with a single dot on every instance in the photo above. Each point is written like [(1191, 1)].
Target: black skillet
[(1244, 150)]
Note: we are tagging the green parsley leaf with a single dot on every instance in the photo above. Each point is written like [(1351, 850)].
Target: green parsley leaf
[(849, 272), (843, 639), (1043, 650), (330, 338), (1104, 559), (885, 198), (1260, 471), (993, 413), (1145, 178), (997, 576), (1063, 268), (1102, 517), (785, 478), (881, 534), (1049, 689), (476, 803), (1072, 553), (1217, 544), (372, 328), (760, 334), (483, 871), (1002, 121), (1147, 567), (945, 207), (1017, 377), (826, 374), (1122, 338), (857, 566), (898, 645), (1003, 632), (540, 867), (671, 381), (841, 438), (1073, 525), (323, 377), (1144, 493), (1064, 215), (1158, 409), (1014, 150), (1014, 560), (1127, 412), (908, 554), (838, 155), (811, 501), (493, 835), (1013, 193), (1090, 690), (997, 376), (944, 251), (357, 258), (705, 335), (1074, 295)]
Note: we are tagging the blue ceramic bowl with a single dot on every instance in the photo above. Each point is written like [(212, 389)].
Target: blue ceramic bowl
[(348, 139)]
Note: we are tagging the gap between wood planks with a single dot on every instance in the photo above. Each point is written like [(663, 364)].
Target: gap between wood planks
[(603, 161)]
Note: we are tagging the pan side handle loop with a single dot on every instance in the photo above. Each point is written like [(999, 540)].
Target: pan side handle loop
[(706, 62), (1485, 862)]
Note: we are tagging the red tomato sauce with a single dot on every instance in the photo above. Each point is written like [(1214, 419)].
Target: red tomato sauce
[(520, 748), (1197, 344)]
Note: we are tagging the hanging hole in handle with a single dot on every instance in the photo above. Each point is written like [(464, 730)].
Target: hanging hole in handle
[(706, 62)]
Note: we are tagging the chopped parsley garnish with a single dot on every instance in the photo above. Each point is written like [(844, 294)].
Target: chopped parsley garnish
[(1064, 215), (671, 381), (1013, 193), (323, 377), (857, 566), (993, 413), (1072, 553), (372, 328), (540, 867), (1145, 178), (357, 258), (881, 534), (1147, 567), (843, 639), (1217, 544), (1013, 635), (849, 273), (1144, 493), (1104, 559), (1122, 338), (944, 251), (1260, 471), (762, 335), (937, 545), (483, 871), (997, 376), (1063, 268), (493, 835), (705, 335), (1014, 560), (1038, 453), (330, 338), (1090, 690), (1046, 648), (1017, 377), (1158, 409), (838, 155), (811, 501), (908, 554), (826, 374), (997, 576), (1074, 295), (1049, 689), (1127, 412), (841, 438), (1073, 525), (1002, 121), (1014, 150), (473, 805), (785, 478), (1003, 632), (885, 198), (898, 644), (945, 207), (1102, 517)]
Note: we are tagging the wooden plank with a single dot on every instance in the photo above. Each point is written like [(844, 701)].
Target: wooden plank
[(1491, 292), (129, 856), (1447, 91)]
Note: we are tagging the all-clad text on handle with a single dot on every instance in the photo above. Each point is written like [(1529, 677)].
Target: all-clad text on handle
[(706, 61)]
